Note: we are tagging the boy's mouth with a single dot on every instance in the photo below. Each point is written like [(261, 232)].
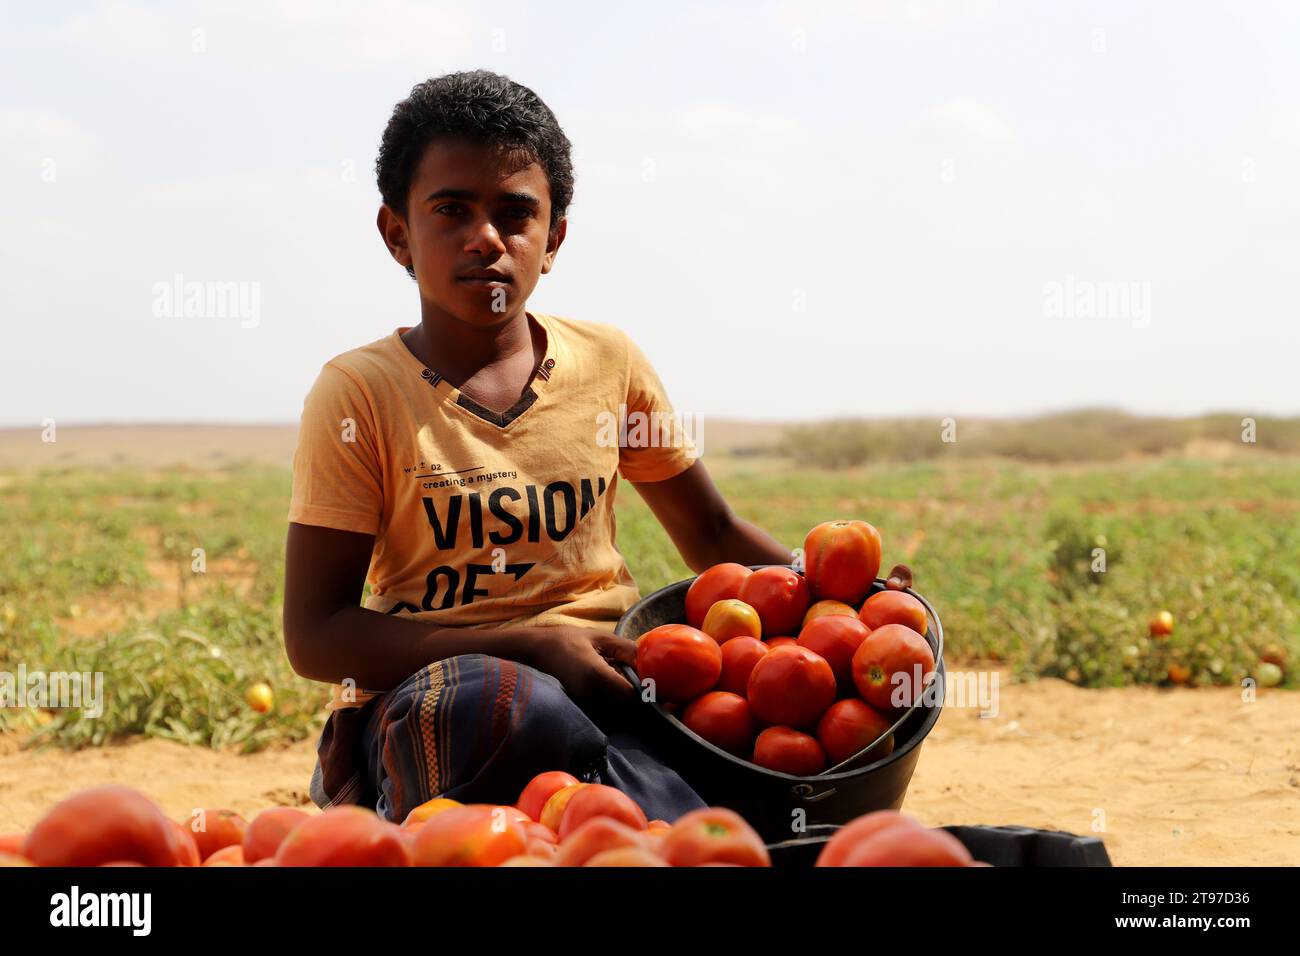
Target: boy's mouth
[(484, 277)]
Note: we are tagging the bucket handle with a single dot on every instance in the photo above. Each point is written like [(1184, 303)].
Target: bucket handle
[(805, 792)]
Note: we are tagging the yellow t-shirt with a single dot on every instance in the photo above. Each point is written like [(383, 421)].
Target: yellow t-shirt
[(484, 519)]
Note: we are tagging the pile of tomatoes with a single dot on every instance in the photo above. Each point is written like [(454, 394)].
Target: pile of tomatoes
[(793, 672), (557, 821)]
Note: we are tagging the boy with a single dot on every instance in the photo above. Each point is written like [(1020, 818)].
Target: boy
[(460, 467)]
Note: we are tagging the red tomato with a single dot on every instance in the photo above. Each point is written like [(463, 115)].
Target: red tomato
[(851, 724), (892, 663), (773, 643), (893, 607), (789, 751), (841, 560), (780, 596), (345, 836), (853, 833), (215, 830), (900, 846), (267, 831), (596, 836), (713, 835), (724, 720), (540, 789), (682, 661), (599, 800), (835, 637), (791, 686), (104, 825), (731, 618), (626, 856), (476, 834), (716, 584), (739, 655), (189, 849)]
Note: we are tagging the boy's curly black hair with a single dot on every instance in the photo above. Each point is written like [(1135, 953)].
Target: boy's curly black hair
[(477, 106)]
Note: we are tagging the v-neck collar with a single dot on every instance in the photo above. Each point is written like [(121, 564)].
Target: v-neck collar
[(450, 393)]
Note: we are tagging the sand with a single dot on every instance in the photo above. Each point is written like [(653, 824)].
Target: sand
[(1164, 777)]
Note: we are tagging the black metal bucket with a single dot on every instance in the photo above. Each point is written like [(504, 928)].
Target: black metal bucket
[(776, 803)]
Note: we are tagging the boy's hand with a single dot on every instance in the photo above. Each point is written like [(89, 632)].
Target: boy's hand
[(583, 659)]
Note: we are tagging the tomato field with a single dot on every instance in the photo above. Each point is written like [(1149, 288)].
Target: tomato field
[(169, 580)]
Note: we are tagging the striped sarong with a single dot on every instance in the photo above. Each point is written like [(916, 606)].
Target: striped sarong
[(476, 729)]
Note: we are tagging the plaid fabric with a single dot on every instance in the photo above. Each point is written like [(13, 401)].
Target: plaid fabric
[(476, 729)]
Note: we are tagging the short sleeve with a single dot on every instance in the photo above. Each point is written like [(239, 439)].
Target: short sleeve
[(660, 444), (337, 475)]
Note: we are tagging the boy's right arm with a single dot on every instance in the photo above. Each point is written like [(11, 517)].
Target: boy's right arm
[(329, 637)]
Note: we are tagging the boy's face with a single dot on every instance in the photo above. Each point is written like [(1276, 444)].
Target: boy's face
[(476, 231)]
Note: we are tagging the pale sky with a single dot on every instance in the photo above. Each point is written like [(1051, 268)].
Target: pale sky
[(797, 209)]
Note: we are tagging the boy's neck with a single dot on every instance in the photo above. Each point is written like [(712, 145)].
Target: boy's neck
[(459, 350)]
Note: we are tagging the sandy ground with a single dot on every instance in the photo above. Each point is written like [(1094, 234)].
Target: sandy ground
[(1165, 777)]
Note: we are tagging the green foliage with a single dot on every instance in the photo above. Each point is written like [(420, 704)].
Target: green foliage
[(1088, 435), (95, 574)]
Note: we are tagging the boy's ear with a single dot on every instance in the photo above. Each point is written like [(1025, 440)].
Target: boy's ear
[(392, 229), (553, 240)]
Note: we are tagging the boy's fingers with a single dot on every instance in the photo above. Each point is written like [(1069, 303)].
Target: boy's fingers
[(619, 649), (612, 680)]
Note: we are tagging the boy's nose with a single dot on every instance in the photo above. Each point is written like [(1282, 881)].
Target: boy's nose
[(484, 238)]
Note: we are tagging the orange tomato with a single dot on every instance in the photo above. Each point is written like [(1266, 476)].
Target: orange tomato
[(473, 835), (430, 808), (827, 606), (893, 607), (841, 560), (540, 789), (260, 698), (718, 582), (553, 809), (731, 618)]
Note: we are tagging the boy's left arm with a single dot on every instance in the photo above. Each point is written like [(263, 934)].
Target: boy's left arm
[(702, 524)]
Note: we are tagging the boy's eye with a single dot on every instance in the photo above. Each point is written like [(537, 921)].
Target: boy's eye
[(450, 208), (520, 212)]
